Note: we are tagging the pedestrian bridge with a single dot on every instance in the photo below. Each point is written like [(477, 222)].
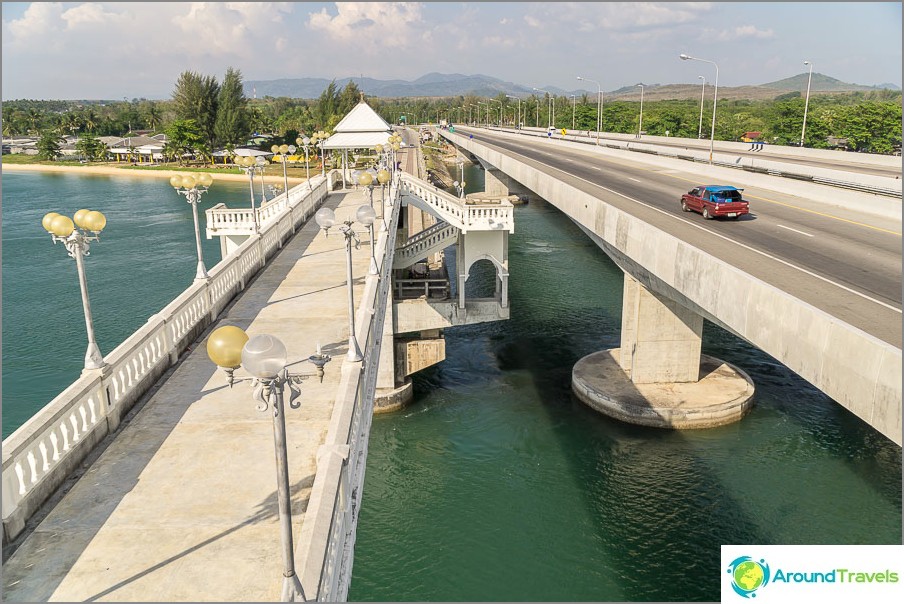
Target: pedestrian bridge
[(151, 479)]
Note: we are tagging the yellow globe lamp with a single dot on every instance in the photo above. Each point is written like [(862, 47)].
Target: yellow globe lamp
[(79, 217), (365, 179), (61, 226), (47, 220), (205, 179), (284, 149), (175, 181), (383, 176), (275, 148), (95, 221), (224, 346), (188, 181)]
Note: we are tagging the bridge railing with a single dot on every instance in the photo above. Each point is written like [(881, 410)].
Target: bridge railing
[(326, 543), (222, 220), (43, 452), (455, 211)]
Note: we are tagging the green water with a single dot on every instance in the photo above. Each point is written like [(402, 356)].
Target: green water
[(145, 258), (497, 484)]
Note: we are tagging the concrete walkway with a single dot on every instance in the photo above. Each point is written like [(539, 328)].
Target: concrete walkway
[(182, 504)]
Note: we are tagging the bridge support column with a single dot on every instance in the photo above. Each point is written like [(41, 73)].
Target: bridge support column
[(658, 377), (392, 394), (493, 183)]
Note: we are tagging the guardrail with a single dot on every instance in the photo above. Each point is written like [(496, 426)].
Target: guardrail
[(42, 453), (432, 239), (326, 543), (464, 216), (835, 178), (410, 289)]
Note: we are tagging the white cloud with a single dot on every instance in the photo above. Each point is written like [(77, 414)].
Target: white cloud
[(371, 24), (738, 33)]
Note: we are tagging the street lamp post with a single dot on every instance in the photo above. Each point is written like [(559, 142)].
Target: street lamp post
[(599, 106), (500, 109), (479, 103), (806, 103), (702, 92), (326, 218), (74, 234), (249, 165), (193, 188), (304, 142), (460, 183), (366, 215), (319, 139), (265, 358), (574, 104), (640, 121), (549, 105), (282, 151), (519, 109), (712, 135)]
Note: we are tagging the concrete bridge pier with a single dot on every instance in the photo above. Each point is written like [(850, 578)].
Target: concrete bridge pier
[(658, 376)]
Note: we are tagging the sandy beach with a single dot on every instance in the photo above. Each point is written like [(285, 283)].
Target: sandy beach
[(114, 170)]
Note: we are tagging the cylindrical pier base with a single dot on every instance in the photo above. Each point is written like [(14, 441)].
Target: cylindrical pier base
[(386, 400), (722, 395)]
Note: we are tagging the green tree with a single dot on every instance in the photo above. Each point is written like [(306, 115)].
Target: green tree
[(232, 110), (195, 98), (327, 104), (182, 137), (49, 145), (91, 147)]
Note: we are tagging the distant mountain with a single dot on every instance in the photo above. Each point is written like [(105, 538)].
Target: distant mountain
[(456, 84), (822, 83)]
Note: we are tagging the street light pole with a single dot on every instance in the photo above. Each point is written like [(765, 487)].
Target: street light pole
[(63, 229), (326, 218), (518, 127), (249, 165), (806, 103), (193, 188), (599, 107), (304, 142), (282, 151), (574, 104), (712, 135), (640, 121), (548, 107), (265, 358), (702, 92)]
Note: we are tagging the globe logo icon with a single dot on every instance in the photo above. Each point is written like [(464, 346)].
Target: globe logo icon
[(748, 575)]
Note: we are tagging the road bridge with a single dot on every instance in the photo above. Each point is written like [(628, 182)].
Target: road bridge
[(816, 287)]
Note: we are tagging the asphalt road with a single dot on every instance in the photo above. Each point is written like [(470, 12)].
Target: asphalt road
[(842, 263)]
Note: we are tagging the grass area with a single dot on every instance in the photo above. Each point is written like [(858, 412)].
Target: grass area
[(21, 158)]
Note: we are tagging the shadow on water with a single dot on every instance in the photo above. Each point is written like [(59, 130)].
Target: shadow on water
[(498, 484)]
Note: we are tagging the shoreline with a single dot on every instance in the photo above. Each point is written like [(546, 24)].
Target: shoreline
[(108, 170)]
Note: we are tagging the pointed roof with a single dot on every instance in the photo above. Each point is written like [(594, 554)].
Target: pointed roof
[(362, 119)]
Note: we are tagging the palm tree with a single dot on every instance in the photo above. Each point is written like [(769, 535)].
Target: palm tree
[(153, 117), (89, 118), (33, 116)]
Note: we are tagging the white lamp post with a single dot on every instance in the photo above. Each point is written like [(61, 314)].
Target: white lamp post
[(74, 234), (282, 152), (806, 103), (702, 92), (712, 135), (193, 188), (574, 104), (640, 121), (500, 109), (366, 215), (265, 357), (599, 106), (304, 142), (518, 127), (548, 107), (248, 164), (479, 103), (326, 218)]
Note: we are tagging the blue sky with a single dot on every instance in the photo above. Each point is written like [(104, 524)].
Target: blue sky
[(100, 50)]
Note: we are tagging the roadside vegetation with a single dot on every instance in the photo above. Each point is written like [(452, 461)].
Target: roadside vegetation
[(204, 115)]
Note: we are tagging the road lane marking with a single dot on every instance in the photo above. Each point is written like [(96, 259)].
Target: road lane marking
[(717, 234), (634, 179), (781, 226)]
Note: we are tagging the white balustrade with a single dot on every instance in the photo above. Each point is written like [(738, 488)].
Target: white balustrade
[(39, 456), (452, 209)]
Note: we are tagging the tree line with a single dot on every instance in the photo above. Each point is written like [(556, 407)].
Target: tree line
[(204, 114)]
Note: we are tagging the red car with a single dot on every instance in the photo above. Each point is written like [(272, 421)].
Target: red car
[(715, 200)]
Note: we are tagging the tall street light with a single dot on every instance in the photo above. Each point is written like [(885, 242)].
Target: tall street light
[(479, 103), (500, 109), (517, 98), (574, 104), (326, 218), (265, 358), (282, 152), (74, 234), (319, 139), (712, 135), (366, 215), (193, 188), (549, 106), (304, 143), (702, 92), (599, 106), (807, 103), (640, 121), (249, 165)]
